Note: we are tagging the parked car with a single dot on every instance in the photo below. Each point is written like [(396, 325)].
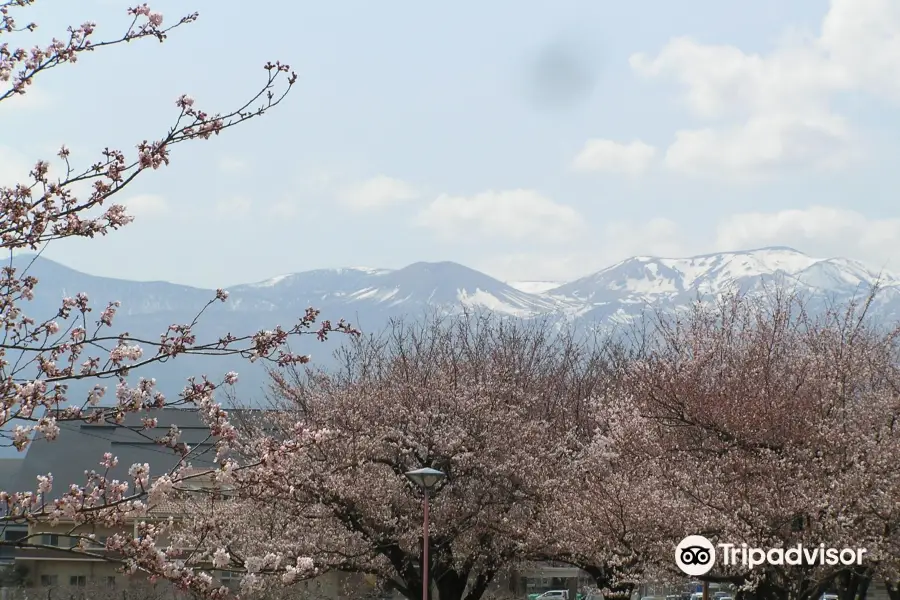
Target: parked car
[(554, 595), (551, 595)]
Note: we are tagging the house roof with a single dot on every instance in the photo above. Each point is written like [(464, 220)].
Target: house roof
[(81, 446)]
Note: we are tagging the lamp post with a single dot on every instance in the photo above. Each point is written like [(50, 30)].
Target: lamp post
[(426, 479)]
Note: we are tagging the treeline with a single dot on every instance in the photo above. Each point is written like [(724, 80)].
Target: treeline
[(750, 421)]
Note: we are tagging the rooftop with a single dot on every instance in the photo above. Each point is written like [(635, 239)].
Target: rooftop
[(81, 446)]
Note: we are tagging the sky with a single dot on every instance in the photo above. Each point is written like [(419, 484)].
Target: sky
[(529, 140)]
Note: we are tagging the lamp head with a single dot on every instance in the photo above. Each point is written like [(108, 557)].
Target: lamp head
[(426, 478)]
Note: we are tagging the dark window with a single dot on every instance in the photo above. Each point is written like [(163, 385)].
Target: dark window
[(50, 539), (79, 580), (12, 536), (49, 580), (9, 551), (111, 581)]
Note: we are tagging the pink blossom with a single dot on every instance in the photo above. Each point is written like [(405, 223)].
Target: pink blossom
[(221, 558), (73, 197), (45, 483)]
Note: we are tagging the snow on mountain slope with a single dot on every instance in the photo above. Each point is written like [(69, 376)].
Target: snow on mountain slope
[(306, 288), (448, 283), (618, 292), (648, 279), (368, 297), (842, 273), (419, 284)]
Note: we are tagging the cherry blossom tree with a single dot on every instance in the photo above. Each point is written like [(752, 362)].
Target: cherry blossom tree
[(603, 514), (749, 421), (41, 356), (769, 426), (477, 397), (614, 524)]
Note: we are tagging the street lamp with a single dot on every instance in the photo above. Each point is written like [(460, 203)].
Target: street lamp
[(426, 479)]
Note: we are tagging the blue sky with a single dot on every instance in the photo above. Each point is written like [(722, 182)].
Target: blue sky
[(530, 140)]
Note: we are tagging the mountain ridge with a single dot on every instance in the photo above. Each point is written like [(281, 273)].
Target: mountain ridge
[(370, 297), (632, 280)]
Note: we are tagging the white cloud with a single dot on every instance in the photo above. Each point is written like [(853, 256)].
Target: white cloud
[(763, 146), (771, 111), (615, 241), (234, 207), (863, 38), (630, 159), (817, 230), (146, 205), (511, 214), (377, 193)]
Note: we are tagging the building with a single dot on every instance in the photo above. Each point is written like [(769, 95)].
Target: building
[(537, 578), (84, 444), (9, 469), (81, 445)]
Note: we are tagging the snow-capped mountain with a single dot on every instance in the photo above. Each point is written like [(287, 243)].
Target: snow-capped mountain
[(368, 297), (622, 288), (411, 288), (643, 278)]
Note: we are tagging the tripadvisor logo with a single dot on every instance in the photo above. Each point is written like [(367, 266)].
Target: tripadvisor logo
[(695, 555)]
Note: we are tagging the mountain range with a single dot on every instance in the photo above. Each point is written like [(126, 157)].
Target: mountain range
[(369, 297)]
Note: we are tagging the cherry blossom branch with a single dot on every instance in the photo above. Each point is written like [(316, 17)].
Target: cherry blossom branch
[(31, 63), (41, 357)]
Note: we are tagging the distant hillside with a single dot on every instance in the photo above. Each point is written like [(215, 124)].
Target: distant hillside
[(368, 297)]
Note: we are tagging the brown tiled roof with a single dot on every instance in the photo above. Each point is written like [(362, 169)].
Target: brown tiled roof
[(185, 501), (170, 507)]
